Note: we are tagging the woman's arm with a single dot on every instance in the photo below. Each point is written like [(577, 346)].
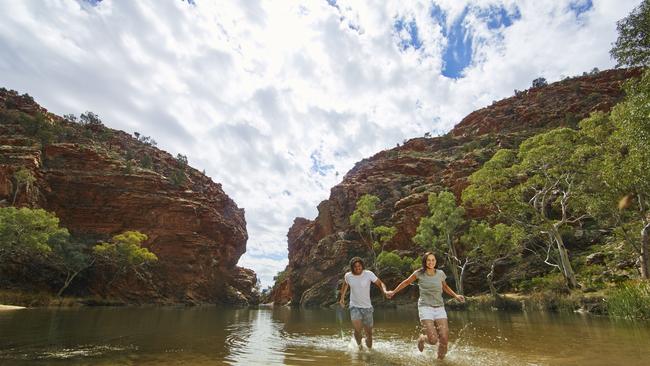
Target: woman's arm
[(451, 292), (401, 286)]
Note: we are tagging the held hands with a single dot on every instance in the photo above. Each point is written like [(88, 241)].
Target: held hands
[(389, 294), (460, 298)]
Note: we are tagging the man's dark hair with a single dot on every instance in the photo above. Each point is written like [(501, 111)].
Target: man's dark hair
[(355, 260)]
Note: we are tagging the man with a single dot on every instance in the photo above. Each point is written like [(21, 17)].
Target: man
[(359, 281)]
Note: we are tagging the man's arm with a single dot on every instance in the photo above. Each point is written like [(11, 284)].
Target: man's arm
[(344, 289), (381, 286)]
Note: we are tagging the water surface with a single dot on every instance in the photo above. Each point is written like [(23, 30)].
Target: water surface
[(282, 336)]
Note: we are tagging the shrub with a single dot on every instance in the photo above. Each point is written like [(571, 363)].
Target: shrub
[(393, 260), (553, 282), (539, 82), (631, 301)]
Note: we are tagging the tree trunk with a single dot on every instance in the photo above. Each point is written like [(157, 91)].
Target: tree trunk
[(645, 255), (15, 194), (66, 283), (565, 264), (453, 267), (490, 278)]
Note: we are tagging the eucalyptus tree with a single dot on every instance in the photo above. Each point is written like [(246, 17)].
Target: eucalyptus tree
[(494, 244), (538, 187), (621, 163), (439, 233), (632, 47)]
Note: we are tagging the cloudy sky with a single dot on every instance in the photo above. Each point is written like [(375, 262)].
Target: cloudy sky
[(277, 100)]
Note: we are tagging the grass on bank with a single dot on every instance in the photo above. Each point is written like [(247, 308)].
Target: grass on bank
[(631, 300)]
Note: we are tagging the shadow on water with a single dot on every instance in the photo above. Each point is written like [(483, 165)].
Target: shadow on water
[(217, 336)]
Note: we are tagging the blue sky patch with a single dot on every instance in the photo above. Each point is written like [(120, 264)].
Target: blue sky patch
[(581, 6), (458, 53), (497, 17), (461, 42), (318, 165), (412, 29)]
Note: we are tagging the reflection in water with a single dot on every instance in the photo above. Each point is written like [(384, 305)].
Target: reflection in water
[(282, 336)]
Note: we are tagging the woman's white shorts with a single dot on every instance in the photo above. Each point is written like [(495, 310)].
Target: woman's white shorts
[(431, 313)]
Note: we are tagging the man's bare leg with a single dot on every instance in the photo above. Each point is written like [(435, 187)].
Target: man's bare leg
[(368, 336), (429, 334), (356, 324), (442, 328)]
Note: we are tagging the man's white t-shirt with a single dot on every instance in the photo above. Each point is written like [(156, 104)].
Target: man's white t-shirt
[(360, 288)]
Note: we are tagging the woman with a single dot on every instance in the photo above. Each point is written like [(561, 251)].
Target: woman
[(431, 307)]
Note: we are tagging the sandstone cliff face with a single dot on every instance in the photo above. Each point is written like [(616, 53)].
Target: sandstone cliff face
[(404, 176), (94, 180)]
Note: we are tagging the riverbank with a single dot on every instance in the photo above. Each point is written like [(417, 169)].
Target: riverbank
[(43, 299), (575, 302), (594, 303)]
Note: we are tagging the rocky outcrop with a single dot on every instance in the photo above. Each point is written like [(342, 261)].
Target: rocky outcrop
[(404, 176), (101, 182)]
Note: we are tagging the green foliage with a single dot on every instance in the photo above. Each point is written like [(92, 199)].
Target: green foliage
[(632, 47), (383, 234), (23, 178), (436, 230), (619, 166), (553, 282), (361, 218), (281, 276), (90, 119), (39, 127), (488, 185), (541, 188), (125, 250), (178, 177), (500, 241), (29, 232), (146, 162), (539, 82), (633, 137), (417, 263), (393, 260), (181, 160), (147, 140), (630, 300)]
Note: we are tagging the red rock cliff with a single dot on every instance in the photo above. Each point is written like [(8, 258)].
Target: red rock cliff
[(101, 182), (404, 176)]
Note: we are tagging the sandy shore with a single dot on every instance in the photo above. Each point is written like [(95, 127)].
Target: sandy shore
[(10, 307)]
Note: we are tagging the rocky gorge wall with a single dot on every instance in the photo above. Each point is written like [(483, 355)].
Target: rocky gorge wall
[(101, 182), (403, 177)]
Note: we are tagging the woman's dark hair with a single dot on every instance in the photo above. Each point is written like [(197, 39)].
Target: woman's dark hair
[(424, 260), (355, 260)]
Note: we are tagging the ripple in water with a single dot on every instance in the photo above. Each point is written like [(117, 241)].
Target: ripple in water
[(64, 353)]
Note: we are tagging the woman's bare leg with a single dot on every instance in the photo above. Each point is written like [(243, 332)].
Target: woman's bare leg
[(429, 334), (442, 328)]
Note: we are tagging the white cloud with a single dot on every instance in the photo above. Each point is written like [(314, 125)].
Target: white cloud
[(251, 91)]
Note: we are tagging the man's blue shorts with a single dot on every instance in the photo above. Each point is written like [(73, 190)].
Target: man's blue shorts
[(363, 314)]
